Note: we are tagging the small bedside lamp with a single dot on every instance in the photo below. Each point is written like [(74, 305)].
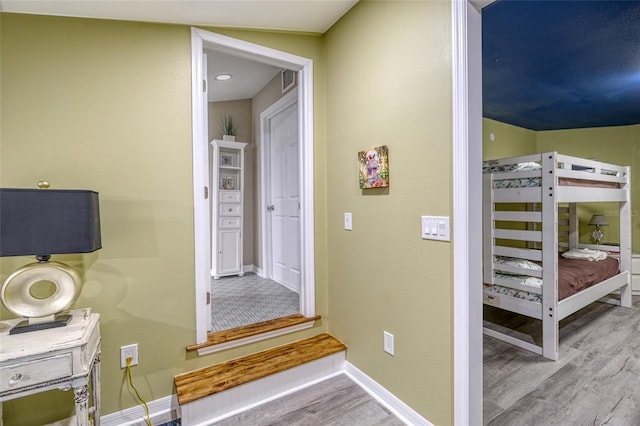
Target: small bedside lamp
[(597, 220), (43, 222)]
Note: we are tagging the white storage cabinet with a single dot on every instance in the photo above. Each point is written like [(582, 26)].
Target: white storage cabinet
[(227, 208)]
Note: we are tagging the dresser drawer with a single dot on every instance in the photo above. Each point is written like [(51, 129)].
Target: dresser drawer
[(230, 196), (635, 264), (229, 210), (30, 373), (229, 222)]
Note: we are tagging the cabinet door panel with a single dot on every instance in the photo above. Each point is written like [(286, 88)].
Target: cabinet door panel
[(229, 252)]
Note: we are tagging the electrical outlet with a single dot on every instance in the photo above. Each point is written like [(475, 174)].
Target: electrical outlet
[(126, 352), (388, 343)]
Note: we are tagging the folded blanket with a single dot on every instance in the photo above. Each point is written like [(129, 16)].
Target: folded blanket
[(585, 254)]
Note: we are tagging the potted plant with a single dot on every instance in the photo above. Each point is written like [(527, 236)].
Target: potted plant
[(229, 129)]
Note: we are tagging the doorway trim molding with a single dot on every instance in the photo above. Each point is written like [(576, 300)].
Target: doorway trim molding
[(467, 194), (201, 39)]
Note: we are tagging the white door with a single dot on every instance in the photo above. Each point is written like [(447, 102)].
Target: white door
[(285, 197)]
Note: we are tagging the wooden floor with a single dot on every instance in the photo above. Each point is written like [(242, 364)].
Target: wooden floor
[(596, 381), (216, 338), (207, 381), (336, 401)]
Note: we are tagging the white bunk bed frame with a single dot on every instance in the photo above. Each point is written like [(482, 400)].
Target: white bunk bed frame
[(549, 194)]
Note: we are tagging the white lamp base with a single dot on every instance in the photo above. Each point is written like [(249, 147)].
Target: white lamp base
[(597, 235), (17, 296)]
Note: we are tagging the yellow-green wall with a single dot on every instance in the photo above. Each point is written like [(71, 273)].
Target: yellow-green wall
[(106, 105), (615, 145), (389, 83), (508, 140)]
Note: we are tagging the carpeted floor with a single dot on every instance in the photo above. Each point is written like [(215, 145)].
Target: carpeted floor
[(238, 301)]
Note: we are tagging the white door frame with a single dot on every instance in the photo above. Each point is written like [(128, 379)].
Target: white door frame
[(467, 196), (202, 265), (265, 174)]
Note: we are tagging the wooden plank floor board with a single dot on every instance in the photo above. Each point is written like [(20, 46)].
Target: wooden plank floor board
[(252, 329), (332, 402), (207, 381), (595, 382)]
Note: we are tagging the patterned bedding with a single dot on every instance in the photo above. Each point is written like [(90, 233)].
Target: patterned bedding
[(573, 276), (529, 182)]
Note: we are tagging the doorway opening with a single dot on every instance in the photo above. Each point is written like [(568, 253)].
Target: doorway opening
[(206, 42)]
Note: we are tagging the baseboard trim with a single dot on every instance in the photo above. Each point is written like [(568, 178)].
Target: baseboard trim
[(384, 397), (163, 408), (248, 268), (160, 410)]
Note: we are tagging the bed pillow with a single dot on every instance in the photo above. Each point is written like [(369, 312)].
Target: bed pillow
[(518, 263)]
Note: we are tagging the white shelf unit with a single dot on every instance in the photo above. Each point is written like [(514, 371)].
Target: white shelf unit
[(227, 208)]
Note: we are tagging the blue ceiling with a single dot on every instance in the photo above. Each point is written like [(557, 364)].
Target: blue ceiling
[(561, 64)]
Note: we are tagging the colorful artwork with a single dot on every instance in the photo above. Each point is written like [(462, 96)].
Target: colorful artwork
[(374, 167)]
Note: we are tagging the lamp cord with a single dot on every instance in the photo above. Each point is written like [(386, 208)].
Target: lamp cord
[(146, 408)]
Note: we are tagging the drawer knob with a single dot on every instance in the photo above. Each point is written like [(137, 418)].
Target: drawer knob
[(15, 379)]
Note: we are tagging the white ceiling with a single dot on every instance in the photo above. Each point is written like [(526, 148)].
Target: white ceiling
[(248, 77), (315, 16), (293, 15)]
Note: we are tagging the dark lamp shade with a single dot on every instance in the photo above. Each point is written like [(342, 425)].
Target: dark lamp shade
[(48, 221)]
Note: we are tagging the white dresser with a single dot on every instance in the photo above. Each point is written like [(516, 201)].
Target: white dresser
[(58, 358)]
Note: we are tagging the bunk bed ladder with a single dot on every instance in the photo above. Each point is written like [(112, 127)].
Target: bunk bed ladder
[(625, 240), (550, 333)]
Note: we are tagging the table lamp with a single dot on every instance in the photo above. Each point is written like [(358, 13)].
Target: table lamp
[(43, 222), (597, 220)]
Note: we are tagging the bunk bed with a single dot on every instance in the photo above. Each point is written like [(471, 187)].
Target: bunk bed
[(530, 219)]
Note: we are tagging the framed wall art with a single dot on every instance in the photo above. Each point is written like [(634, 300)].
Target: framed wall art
[(226, 159), (228, 183), (373, 166)]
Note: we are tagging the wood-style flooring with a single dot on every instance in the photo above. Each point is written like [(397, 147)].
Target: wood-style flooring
[(193, 385), (596, 381), (335, 401)]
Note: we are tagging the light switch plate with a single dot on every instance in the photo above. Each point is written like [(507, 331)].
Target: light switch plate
[(389, 343), (436, 228), (347, 222)]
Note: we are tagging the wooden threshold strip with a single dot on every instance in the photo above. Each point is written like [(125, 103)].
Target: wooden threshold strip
[(251, 330), (203, 382)]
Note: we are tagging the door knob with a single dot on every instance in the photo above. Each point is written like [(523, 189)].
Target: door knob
[(271, 207)]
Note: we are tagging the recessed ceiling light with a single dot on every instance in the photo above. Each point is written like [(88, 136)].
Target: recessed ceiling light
[(223, 77)]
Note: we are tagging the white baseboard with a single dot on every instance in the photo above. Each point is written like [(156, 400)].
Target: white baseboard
[(248, 268), (384, 397), (207, 411), (161, 411), (253, 268)]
